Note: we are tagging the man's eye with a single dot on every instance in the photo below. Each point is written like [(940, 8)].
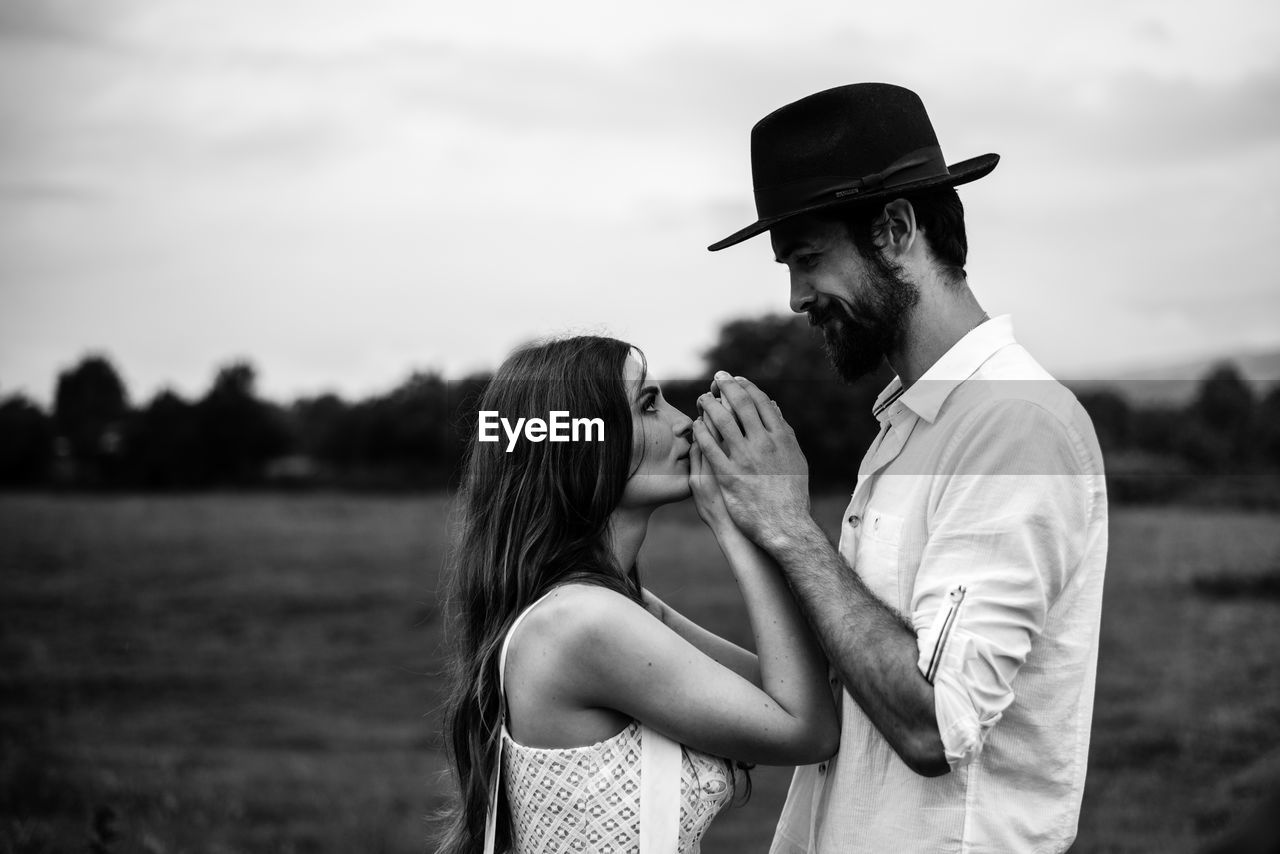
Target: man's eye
[(808, 261)]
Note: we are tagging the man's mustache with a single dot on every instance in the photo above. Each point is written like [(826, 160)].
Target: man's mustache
[(824, 311)]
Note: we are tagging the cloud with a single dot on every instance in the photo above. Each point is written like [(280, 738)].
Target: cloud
[(687, 86), (1125, 120), (57, 21), (37, 191), (1152, 30)]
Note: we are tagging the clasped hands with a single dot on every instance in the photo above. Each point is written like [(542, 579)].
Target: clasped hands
[(762, 475)]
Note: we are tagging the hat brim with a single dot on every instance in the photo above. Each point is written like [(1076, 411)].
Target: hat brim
[(957, 174)]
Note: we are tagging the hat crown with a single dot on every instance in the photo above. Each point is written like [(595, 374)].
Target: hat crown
[(851, 131)]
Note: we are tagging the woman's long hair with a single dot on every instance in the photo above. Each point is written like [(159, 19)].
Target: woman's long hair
[(528, 519)]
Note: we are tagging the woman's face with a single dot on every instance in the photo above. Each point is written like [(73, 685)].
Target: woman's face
[(659, 444)]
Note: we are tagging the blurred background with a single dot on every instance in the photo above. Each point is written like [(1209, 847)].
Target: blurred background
[(256, 259)]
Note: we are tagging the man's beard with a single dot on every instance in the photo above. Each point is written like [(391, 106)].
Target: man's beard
[(861, 331)]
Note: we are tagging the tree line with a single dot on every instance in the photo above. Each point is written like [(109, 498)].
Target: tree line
[(413, 436)]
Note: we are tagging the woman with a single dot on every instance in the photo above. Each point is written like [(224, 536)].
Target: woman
[(565, 664)]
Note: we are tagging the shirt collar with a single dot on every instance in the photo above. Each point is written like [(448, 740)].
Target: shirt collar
[(926, 396)]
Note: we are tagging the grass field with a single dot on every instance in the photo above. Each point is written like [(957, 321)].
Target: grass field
[(261, 673)]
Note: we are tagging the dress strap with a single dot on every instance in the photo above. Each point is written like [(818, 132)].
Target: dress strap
[(659, 793), (506, 642), (495, 779)]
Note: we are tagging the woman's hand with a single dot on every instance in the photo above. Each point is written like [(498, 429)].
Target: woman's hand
[(707, 496)]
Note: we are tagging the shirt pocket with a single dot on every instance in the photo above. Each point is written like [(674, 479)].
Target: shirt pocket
[(879, 542)]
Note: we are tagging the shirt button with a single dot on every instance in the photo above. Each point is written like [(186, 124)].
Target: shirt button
[(854, 521), (822, 769)]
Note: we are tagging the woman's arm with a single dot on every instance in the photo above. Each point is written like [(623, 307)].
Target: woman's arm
[(622, 658), (725, 652), (614, 654), (743, 557)]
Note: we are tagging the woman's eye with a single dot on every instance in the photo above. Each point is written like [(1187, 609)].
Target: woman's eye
[(651, 405)]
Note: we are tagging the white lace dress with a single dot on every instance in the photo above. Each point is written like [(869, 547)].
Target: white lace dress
[(587, 799)]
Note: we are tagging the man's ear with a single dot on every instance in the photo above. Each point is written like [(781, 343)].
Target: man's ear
[(896, 228)]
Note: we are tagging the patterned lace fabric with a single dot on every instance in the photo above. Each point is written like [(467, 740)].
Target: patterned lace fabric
[(587, 799)]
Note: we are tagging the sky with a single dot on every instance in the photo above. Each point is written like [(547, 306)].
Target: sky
[(343, 193)]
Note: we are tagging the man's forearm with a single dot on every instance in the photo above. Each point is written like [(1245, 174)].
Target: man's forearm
[(872, 649)]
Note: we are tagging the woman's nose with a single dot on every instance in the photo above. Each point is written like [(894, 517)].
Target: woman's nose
[(683, 427)]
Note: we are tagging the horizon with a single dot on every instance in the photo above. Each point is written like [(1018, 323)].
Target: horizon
[(1181, 378)]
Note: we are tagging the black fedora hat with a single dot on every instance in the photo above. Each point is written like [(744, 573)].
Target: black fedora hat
[(848, 144)]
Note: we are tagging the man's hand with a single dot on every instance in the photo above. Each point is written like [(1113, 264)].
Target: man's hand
[(753, 451), (765, 482)]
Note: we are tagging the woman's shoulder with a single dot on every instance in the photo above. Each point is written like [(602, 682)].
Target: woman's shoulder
[(559, 656), (582, 627), (576, 613), (571, 636)]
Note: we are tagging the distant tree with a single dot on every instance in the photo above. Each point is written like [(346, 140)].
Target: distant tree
[(1155, 429), (411, 423), (90, 407), (26, 442), (317, 424), (463, 397), (238, 432), (164, 448), (1224, 400), (1112, 418), (1269, 427), (1218, 431), (402, 438)]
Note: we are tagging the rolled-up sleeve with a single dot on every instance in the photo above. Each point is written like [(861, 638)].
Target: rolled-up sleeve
[(1008, 515)]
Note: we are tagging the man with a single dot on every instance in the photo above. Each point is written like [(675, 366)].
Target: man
[(960, 612)]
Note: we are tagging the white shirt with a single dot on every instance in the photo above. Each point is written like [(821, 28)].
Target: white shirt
[(980, 514)]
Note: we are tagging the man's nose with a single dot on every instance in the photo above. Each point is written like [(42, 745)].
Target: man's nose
[(802, 295)]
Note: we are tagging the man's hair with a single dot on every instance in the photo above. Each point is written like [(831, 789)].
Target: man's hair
[(939, 215)]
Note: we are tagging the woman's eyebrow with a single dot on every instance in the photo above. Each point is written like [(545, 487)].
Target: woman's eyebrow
[(646, 390)]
